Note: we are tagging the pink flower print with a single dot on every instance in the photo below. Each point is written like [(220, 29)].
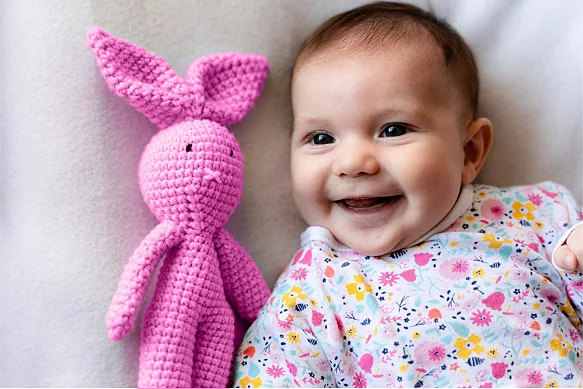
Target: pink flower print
[(454, 269), (366, 362), (359, 381), (292, 368), (299, 273), (481, 318), (436, 353), (409, 275), (317, 318), (388, 278), (486, 385), (535, 377), (494, 301), (275, 371), (549, 295), (498, 369), (482, 375), (429, 354), (460, 267), (492, 209), (578, 285), (550, 194), (421, 259), (574, 335), (536, 199)]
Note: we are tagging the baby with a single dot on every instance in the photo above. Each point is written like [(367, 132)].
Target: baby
[(409, 275)]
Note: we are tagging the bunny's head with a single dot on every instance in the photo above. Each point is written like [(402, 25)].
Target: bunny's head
[(191, 172)]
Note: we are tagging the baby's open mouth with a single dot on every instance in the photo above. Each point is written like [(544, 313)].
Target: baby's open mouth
[(368, 204)]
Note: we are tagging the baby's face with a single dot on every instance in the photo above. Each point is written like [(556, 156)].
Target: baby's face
[(377, 146)]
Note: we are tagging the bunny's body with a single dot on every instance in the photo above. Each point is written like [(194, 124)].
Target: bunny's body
[(191, 177)]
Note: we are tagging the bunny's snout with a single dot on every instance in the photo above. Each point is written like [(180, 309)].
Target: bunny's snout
[(210, 175)]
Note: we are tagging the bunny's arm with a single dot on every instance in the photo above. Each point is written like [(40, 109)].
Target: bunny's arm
[(244, 285), (136, 276)]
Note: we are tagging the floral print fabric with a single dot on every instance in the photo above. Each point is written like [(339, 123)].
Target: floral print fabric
[(477, 305)]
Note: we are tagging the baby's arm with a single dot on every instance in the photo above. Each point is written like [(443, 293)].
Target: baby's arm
[(244, 285), (136, 277)]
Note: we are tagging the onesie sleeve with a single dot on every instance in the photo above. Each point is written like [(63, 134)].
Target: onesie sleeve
[(567, 215), (279, 349)]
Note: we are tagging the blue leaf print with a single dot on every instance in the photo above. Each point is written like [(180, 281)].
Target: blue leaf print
[(372, 304), (563, 363), (572, 356), (283, 289), (253, 370), (365, 322), (460, 329), (300, 307), (340, 279), (418, 302), (359, 308), (465, 236), (345, 264), (507, 200), (536, 343), (505, 252), (447, 339)]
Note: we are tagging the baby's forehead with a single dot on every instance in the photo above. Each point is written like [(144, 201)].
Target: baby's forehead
[(418, 60)]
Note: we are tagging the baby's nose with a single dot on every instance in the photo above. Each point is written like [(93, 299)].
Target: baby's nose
[(212, 175), (356, 159)]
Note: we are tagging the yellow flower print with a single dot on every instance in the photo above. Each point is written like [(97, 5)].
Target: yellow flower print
[(468, 346), (478, 273), (453, 243), (359, 287), (552, 384), (523, 211), (561, 345), (495, 242), (525, 352), (314, 302), (293, 337), (290, 298), (416, 335), (538, 224), (351, 332), (492, 353), (246, 381), (481, 194)]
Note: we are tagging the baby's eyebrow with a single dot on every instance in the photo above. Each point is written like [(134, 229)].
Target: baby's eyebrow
[(311, 122)]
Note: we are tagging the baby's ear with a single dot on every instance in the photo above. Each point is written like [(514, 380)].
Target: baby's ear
[(149, 84), (229, 82), (478, 141)]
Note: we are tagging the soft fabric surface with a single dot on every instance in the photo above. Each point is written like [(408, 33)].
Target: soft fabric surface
[(72, 212)]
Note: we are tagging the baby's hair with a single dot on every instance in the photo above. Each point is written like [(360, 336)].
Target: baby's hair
[(371, 25)]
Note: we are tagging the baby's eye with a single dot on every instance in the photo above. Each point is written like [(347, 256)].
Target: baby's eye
[(322, 139), (188, 148), (393, 130), (231, 153)]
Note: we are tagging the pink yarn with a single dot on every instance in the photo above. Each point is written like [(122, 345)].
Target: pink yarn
[(191, 177)]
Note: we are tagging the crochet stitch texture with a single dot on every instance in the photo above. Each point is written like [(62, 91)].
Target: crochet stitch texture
[(191, 177)]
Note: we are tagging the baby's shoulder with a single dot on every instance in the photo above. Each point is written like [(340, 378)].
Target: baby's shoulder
[(545, 191)]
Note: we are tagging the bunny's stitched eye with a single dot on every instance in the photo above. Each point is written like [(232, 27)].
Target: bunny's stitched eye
[(231, 153), (189, 148)]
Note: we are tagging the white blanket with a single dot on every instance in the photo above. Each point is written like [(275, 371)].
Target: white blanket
[(72, 212)]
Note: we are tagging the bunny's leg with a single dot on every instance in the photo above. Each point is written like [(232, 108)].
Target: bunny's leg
[(215, 346), (169, 328)]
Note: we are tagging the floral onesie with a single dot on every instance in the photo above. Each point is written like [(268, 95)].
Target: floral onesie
[(476, 303)]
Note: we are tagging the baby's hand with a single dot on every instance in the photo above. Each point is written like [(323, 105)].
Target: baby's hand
[(570, 255)]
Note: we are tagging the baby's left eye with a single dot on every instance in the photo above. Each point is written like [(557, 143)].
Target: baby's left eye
[(394, 130)]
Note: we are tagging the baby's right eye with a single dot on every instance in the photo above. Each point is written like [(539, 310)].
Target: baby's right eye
[(322, 139)]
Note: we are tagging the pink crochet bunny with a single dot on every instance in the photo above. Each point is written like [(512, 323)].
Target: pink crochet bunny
[(191, 177)]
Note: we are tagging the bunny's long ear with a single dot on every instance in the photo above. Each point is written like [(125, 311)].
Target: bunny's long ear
[(230, 84), (145, 80)]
